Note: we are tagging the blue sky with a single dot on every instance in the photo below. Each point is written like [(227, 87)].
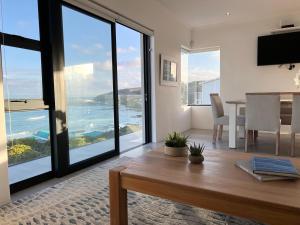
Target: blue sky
[(204, 66), (86, 41)]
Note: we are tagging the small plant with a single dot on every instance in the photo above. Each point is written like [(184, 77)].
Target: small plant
[(176, 140), (21, 153), (196, 150)]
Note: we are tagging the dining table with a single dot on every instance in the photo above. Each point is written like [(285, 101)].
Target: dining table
[(235, 104)]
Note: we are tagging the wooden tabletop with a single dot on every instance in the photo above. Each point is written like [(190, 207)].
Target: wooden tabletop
[(243, 101), (224, 186), (275, 93)]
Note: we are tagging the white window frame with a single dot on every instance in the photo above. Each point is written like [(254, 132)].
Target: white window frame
[(200, 50)]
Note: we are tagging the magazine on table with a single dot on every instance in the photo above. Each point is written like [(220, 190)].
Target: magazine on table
[(246, 165)]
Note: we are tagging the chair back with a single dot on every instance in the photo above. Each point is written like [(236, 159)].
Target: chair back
[(263, 112), (217, 106), (296, 114)]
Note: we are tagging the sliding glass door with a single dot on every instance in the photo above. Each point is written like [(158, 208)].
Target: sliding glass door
[(27, 118), (76, 87), (131, 87), (89, 88), (26, 114)]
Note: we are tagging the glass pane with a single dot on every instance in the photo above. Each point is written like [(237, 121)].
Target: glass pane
[(28, 144), (204, 76), (184, 77), (131, 89), (21, 18), (89, 85), (21, 73)]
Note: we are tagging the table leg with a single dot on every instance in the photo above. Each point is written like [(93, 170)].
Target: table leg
[(117, 198), (232, 125), (241, 132)]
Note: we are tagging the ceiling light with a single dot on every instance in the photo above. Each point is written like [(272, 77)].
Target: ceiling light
[(228, 14)]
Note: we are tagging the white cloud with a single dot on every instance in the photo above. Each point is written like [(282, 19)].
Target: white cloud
[(79, 72), (90, 80), (98, 45), (126, 50), (129, 64), (81, 50), (215, 55), (106, 65), (87, 50), (108, 53), (23, 24), (198, 74)]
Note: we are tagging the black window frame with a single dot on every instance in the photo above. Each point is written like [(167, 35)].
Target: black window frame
[(146, 59), (51, 47), (69, 168), (19, 105)]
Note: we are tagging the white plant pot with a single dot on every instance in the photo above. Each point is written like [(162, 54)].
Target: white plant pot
[(176, 152)]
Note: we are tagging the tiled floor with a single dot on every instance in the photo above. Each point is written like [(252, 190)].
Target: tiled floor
[(265, 144)]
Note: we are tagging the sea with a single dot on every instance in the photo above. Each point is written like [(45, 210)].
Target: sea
[(80, 119)]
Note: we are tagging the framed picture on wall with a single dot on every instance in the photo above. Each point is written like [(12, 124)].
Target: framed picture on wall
[(168, 71)]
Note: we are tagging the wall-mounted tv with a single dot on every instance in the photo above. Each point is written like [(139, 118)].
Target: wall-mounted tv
[(278, 49)]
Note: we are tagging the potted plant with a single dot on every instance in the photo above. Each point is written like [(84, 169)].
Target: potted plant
[(176, 145), (196, 155)]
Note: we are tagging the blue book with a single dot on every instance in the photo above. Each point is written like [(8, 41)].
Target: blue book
[(271, 166)]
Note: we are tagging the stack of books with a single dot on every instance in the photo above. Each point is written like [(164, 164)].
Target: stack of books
[(269, 169)]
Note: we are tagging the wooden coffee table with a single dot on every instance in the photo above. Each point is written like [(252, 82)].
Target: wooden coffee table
[(216, 185)]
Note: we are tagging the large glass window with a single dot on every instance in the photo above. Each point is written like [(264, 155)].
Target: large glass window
[(89, 85), (200, 75), (72, 93), (131, 87), (27, 120), (20, 18), (28, 143), (22, 78)]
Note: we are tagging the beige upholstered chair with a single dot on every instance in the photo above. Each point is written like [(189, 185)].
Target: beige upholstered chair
[(263, 114), (295, 121), (219, 118)]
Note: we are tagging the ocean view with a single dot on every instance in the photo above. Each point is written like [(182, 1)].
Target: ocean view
[(83, 118)]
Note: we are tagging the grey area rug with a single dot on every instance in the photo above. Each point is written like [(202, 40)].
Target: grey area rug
[(84, 200)]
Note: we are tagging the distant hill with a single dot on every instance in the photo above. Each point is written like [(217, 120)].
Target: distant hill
[(130, 97), (126, 91), (130, 91)]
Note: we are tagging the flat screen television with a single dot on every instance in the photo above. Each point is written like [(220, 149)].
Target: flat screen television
[(278, 49)]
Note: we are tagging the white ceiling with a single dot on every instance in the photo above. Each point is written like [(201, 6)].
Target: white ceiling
[(197, 13)]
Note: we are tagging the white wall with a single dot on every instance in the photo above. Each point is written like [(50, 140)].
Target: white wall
[(169, 35), (239, 73)]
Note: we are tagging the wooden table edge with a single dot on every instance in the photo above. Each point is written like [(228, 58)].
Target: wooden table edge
[(125, 176), (265, 212), (117, 197)]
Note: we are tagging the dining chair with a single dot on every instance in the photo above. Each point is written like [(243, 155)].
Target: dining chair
[(242, 132), (219, 118), (286, 112), (295, 128), (263, 114)]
